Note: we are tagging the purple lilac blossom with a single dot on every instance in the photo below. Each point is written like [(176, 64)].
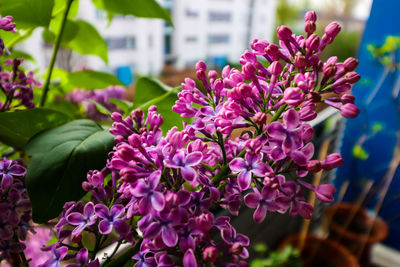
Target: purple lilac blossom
[(156, 191), (101, 96)]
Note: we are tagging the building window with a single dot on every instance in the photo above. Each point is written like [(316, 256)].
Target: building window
[(191, 39), (218, 38), (191, 13), (219, 16), (121, 43)]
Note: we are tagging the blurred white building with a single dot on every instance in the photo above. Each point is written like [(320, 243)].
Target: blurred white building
[(217, 31)]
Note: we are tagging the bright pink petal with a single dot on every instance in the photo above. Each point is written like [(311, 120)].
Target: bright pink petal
[(157, 201), (237, 165), (169, 236), (194, 158), (260, 213), (276, 130), (189, 259), (105, 227), (291, 119)]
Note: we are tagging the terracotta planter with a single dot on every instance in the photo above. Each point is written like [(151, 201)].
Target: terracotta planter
[(362, 232), (322, 252)]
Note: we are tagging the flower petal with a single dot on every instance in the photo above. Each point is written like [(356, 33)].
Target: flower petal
[(189, 260), (105, 227), (117, 211), (169, 236), (188, 173), (291, 119), (260, 213), (276, 131), (157, 201), (75, 218), (88, 210), (194, 158), (145, 205), (244, 180), (237, 165), (121, 227), (252, 200), (101, 211)]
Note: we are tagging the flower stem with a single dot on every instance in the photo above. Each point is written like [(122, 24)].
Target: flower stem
[(279, 112), (54, 54)]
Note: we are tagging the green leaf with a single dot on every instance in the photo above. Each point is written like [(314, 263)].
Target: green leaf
[(70, 31), (90, 79), (149, 91), (88, 41), (20, 54), (124, 105), (102, 109), (28, 13), (17, 127), (137, 8), (61, 158), (360, 153)]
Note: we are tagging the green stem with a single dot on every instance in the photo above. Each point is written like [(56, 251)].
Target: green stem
[(126, 256), (221, 144), (113, 253), (279, 112), (54, 54)]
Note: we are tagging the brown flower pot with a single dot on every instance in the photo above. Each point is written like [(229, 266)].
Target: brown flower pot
[(360, 234), (322, 252)]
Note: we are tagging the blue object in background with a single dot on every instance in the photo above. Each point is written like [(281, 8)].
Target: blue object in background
[(380, 111), (124, 74), (219, 61)]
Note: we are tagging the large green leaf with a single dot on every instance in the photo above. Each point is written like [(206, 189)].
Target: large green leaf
[(137, 8), (90, 79), (149, 91), (61, 157), (88, 41), (28, 13), (17, 127)]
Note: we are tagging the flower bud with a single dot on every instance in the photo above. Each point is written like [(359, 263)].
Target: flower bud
[(260, 118), (332, 161), (116, 116), (275, 68), (210, 254), (352, 77), (347, 98), (272, 50), (324, 192), (312, 42), (259, 46), (200, 65), (212, 74), (293, 96), (333, 29), (310, 16), (249, 71), (313, 60), (349, 110), (310, 27), (350, 64), (245, 90), (135, 140), (300, 62), (329, 70), (314, 166), (201, 75), (284, 33), (342, 88)]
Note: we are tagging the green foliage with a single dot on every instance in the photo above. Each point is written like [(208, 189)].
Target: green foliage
[(137, 8), (28, 13), (88, 41), (125, 106), (90, 79), (289, 257), (61, 157), (360, 153), (149, 91), (20, 54), (102, 109), (17, 127)]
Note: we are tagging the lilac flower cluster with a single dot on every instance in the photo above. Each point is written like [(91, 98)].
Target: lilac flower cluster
[(15, 208), (101, 96), (14, 83), (161, 193)]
